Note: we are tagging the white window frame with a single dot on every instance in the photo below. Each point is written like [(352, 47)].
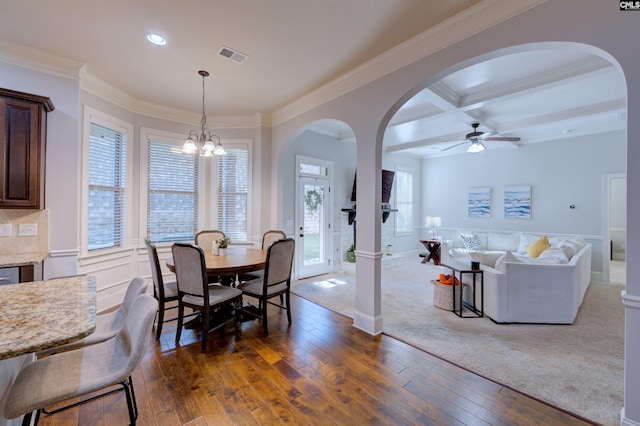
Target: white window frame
[(94, 116), (397, 201), (213, 218), (178, 139)]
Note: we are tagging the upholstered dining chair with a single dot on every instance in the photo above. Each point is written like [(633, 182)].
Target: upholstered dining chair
[(268, 238), (108, 324), (72, 374), (195, 292), (164, 292), (271, 237), (275, 282), (205, 239)]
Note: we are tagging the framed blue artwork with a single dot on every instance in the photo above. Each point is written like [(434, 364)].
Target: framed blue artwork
[(517, 202), (479, 202)]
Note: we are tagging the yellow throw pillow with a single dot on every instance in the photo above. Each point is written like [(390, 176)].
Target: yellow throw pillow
[(537, 247)]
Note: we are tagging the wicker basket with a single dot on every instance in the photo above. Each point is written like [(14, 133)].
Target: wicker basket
[(443, 295)]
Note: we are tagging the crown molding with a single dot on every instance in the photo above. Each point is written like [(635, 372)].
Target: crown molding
[(102, 89), (44, 62), (473, 20), (37, 60)]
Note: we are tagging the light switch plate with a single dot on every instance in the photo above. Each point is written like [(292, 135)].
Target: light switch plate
[(27, 229), (5, 229)]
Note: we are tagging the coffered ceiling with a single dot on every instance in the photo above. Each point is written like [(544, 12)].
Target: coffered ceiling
[(536, 96)]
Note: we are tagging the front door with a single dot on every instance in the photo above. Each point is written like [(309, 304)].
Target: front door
[(313, 245)]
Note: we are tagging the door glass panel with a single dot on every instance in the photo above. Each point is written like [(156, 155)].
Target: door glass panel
[(314, 198)]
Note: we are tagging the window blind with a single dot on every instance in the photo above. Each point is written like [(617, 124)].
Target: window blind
[(404, 201), (172, 193), (233, 187), (107, 184)]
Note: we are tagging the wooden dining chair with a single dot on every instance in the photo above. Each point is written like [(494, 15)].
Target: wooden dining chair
[(205, 239), (195, 292), (164, 292), (275, 282), (271, 237), (268, 238)]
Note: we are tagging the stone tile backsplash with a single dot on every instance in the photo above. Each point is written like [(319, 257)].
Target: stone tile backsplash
[(14, 244)]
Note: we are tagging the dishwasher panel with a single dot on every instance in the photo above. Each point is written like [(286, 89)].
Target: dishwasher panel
[(9, 275)]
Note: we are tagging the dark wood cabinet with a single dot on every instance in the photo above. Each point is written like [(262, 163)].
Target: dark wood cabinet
[(23, 128)]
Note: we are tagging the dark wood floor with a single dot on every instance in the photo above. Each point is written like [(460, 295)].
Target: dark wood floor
[(321, 370)]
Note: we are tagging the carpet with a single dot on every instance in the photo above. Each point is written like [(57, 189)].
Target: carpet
[(578, 367)]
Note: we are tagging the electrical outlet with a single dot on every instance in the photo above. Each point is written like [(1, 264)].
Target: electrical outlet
[(5, 229), (27, 229)]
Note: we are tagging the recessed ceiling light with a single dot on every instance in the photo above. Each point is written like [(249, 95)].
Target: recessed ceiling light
[(156, 39)]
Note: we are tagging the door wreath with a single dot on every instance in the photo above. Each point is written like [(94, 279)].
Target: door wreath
[(313, 200)]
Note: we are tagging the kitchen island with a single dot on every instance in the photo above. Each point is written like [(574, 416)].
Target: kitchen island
[(40, 315)]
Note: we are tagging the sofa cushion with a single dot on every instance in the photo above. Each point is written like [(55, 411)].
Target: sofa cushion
[(501, 263), (487, 258), (471, 241), (568, 248), (579, 242), (525, 240), (555, 254), (503, 242), (536, 248)]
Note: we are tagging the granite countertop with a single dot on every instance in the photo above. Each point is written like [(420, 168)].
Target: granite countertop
[(21, 259), (43, 314)]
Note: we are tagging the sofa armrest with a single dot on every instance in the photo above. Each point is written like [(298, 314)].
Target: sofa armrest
[(445, 247), (540, 293)]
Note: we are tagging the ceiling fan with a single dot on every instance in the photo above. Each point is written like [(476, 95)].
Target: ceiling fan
[(476, 138)]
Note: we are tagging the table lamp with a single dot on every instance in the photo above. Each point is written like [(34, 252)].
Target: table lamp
[(434, 221)]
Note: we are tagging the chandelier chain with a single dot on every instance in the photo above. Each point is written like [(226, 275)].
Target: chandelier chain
[(204, 145)]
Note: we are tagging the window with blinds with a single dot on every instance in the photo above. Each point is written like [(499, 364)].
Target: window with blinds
[(172, 193), (404, 201), (233, 190), (107, 184)]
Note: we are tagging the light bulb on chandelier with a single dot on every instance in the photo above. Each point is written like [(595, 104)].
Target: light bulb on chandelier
[(205, 144)]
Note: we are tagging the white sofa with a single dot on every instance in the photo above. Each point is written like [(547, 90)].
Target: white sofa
[(548, 289)]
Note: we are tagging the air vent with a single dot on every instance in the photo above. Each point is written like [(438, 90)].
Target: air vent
[(232, 55)]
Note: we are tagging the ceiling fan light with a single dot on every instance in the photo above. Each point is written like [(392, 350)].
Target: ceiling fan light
[(476, 146)]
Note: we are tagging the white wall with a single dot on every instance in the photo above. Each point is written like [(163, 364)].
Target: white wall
[(343, 154), (411, 241), (113, 269), (561, 173), (618, 218), (62, 157)]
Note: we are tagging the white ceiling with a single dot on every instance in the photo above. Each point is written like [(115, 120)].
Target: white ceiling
[(297, 46)]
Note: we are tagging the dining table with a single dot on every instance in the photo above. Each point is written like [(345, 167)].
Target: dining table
[(236, 261)]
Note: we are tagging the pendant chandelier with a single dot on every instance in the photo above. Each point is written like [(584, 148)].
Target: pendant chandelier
[(203, 143)]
